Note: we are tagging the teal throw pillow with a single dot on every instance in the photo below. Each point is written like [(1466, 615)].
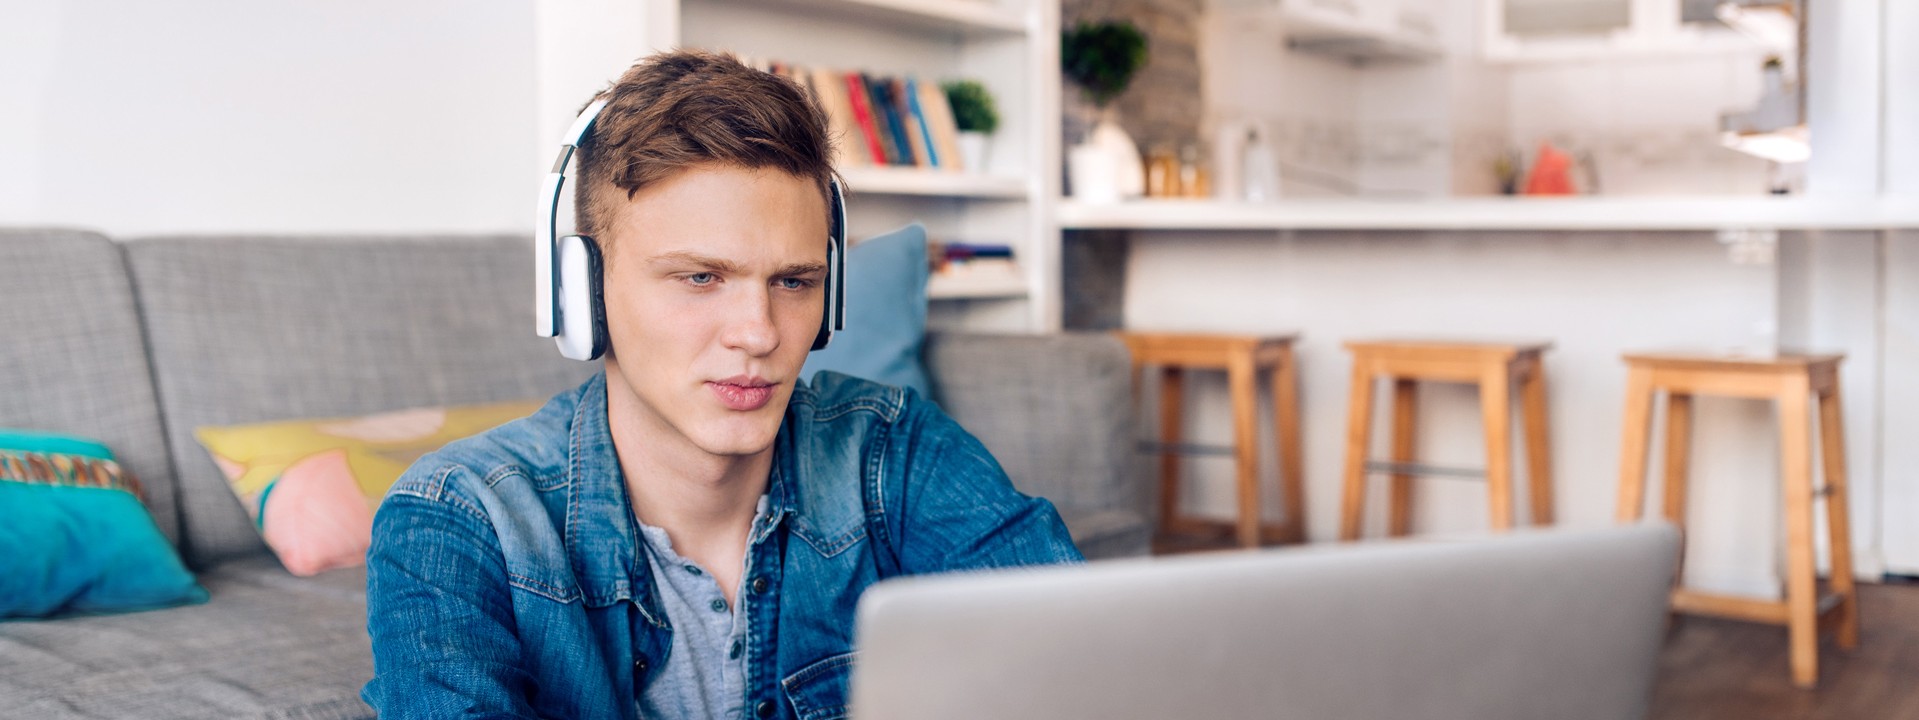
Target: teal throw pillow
[(77, 537), (885, 313)]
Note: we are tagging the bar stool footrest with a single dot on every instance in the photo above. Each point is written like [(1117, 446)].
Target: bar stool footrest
[(1154, 447), (1733, 607), (1385, 467)]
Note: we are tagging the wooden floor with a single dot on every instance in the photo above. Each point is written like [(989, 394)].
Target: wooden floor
[(1724, 669), (1712, 669)]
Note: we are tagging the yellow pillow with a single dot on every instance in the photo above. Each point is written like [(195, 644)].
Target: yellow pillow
[(311, 486)]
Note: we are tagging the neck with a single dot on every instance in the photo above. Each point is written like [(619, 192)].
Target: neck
[(704, 502)]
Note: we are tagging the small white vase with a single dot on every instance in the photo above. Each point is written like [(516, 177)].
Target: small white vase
[(1090, 171), (1127, 171), (973, 149)]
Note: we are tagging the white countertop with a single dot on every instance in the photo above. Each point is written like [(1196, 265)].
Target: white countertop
[(1523, 213)]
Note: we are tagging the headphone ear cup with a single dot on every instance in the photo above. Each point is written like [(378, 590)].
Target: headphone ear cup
[(596, 283), (583, 333), (835, 310)]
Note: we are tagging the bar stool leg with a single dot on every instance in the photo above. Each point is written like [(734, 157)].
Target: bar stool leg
[(1833, 451), (1495, 401), (1171, 397), (1292, 472), (1802, 620), (1633, 442), (1244, 387), (1539, 458), (1359, 431), (1678, 466), (1405, 444)]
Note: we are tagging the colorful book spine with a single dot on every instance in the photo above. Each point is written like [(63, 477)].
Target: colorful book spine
[(922, 123), (892, 129), (863, 114)]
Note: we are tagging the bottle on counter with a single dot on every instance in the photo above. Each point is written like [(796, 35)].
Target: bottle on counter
[(1259, 169), (1162, 174), (1193, 180)]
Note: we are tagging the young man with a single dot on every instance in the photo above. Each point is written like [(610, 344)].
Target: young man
[(687, 533)]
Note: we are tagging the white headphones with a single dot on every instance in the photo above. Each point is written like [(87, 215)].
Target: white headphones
[(567, 302)]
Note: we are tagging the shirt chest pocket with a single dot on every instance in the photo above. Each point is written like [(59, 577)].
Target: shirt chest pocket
[(820, 691)]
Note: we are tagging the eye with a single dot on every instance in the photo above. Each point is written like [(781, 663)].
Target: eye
[(794, 283), (703, 278)]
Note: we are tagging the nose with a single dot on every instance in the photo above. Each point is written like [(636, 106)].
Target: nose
[(749, 326)]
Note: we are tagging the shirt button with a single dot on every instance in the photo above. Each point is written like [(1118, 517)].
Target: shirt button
[(639, 665), (733, 652), (764, 709), (719, 605), (759, 586), (693, 569)]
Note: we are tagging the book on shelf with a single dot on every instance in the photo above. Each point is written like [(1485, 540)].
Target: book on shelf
[(915, 127), (973, 261), (879, 120), (886, 113)]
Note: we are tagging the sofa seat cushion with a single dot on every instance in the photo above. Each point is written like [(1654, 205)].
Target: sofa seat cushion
[(1105, 534), (267, 645)]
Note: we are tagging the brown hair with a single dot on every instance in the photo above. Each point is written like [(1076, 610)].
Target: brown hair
[(675, 110)]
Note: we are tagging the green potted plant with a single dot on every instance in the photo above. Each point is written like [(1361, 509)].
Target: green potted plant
[(1101, 57), (977, 118)]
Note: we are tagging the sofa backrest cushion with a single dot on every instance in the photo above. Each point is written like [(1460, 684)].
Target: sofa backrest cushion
[(73, 357), (1055, 411), (250, 329)]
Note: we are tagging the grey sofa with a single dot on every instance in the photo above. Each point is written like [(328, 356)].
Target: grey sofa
[(138, 342)]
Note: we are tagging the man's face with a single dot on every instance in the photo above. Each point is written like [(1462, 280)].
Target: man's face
[(715, 286)]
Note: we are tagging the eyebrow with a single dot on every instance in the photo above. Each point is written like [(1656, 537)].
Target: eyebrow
[(724, 266)]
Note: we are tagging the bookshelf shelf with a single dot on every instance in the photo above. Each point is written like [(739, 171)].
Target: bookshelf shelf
[(943, 287), (911, 181)]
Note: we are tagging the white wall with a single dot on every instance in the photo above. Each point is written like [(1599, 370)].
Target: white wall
[(233, 116)]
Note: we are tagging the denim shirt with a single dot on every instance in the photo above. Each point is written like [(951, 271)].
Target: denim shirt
[(507, 579)]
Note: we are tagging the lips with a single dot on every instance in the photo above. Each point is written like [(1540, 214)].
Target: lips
[(742, 393)]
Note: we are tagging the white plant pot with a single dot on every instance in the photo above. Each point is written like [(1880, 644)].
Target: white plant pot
[(1092, 172), (973, 151), (1127, 171)]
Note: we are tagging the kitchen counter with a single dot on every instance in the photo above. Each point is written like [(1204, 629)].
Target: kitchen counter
[(1521, 213)]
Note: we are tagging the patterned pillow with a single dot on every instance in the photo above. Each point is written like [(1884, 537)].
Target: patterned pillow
[(77, 537), (311, 486)]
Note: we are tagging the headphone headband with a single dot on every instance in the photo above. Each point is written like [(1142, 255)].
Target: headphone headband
[(546, 251)]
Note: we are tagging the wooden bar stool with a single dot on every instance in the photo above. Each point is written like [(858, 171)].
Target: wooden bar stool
[(1789, 380), (1494, 367), (1242, 357)]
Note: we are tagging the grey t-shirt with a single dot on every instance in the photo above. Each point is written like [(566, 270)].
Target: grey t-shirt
[(705, 671)]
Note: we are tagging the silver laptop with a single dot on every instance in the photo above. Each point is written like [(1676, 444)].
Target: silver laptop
[(1533, 624)]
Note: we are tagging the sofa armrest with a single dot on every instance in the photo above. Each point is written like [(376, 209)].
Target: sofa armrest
[(1055, 410)]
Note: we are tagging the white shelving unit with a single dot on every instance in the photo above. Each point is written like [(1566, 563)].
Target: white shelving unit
[(1628, 214), (1012, 46)]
